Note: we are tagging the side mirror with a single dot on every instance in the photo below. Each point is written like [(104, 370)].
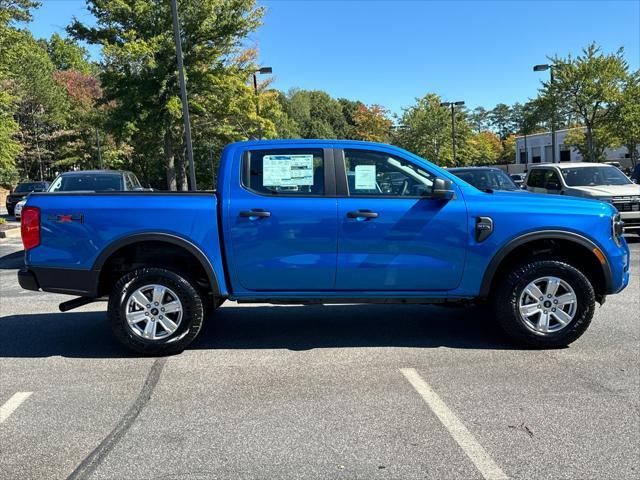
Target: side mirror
[(552, 186), (442, 189)]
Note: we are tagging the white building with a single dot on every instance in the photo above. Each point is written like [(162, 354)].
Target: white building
[(536, 148)]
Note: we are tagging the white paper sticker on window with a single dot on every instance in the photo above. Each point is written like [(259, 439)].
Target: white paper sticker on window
[(365, 177), (287, 170)]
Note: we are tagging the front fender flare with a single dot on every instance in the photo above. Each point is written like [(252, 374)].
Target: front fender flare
[(497, 259)]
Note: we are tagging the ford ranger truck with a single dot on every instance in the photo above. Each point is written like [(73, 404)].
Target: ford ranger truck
[(325, 221)]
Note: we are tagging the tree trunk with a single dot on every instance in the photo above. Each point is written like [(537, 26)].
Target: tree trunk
[(181, 173), (592, 154), (169, 160)]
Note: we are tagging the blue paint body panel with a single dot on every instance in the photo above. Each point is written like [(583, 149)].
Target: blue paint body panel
[(309, 249)]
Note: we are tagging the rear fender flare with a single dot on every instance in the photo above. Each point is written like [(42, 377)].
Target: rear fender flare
[(159, 237)]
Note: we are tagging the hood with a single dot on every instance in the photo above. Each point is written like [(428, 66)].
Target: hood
[(545, 202), (601, 191)]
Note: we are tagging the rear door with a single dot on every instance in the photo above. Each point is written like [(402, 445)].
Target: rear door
[(392, 236), (282, 220)]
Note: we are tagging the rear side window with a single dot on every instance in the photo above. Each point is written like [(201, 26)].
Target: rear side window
[(284, 172), (536, 178)]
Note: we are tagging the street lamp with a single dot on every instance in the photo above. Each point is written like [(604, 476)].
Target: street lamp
[(262, 71), (542, 68), (453, 106)]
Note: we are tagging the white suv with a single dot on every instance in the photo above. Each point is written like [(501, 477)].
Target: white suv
[(591, 180)]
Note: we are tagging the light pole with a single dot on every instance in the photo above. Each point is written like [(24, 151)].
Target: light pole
[(453, 106), (183, 94), (262, 71), (542, 68)]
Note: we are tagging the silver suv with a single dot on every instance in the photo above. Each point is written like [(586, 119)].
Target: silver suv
[(591, 180)]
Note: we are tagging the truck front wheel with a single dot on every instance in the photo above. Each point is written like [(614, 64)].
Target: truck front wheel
[(544, 304), (154, 311)]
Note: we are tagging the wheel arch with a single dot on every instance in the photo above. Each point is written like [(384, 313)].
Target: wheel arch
[(159, 237), (603, 273)]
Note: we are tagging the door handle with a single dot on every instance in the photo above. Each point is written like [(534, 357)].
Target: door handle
[(255, 213), (362, 214)]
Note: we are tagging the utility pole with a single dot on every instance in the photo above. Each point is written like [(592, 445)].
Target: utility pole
[(453, 106), (98, 145), (183, 94)]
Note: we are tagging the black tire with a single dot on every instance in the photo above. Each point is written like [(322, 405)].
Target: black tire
[(507, 296), (184, 289)]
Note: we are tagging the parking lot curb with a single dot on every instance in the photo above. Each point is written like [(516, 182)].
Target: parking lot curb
[(10, 233)]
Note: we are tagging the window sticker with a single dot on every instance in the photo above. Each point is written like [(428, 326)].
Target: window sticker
[(365, 177), (287, 170)]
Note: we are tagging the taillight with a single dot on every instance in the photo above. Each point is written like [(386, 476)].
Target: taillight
[(30, 227)]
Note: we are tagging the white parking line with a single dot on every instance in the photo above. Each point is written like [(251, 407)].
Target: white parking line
[(14, 402), (478, 455)]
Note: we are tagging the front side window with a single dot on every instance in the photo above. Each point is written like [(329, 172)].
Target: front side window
[(536, 178), (374, 173), (284, 172)]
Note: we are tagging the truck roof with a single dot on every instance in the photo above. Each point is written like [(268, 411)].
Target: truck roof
[(307, 141), (95, 172), (571, 165)]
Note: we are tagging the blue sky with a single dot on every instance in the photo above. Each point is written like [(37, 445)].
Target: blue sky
[(390, 52)]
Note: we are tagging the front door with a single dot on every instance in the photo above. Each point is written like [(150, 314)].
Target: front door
[(392, 236), (282, 221)]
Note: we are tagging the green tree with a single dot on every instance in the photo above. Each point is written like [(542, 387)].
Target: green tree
[(626, 126), (483, 148), (501, 119), (66, 54), (139, 78), (41, 105), (590, 87), (372, 124), (425, 129), (316, 114), (593, 149), (11, 12), (479, 119)]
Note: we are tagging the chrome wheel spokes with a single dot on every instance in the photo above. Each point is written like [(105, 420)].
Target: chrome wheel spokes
[(547, 305), (153, 312)]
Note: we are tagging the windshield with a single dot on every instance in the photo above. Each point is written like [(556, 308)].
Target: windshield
[(487, 179), (29, 187), (87, 182), (590, 176)]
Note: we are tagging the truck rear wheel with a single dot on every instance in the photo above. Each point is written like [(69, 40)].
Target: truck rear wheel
[(544, 304), (154, 311)]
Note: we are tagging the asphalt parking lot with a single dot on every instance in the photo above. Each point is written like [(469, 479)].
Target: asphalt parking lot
[(347, 392)]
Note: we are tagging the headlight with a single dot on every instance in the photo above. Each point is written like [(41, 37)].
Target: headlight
[(617, 228)]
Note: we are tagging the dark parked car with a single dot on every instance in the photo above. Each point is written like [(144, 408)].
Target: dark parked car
[(635, 175), (486, 178), (96, 181), (22, 190)]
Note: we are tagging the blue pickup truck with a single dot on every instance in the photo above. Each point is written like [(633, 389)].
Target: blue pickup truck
[(324, 221)]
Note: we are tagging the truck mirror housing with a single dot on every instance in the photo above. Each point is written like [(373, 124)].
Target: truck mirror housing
[(442, 189)]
